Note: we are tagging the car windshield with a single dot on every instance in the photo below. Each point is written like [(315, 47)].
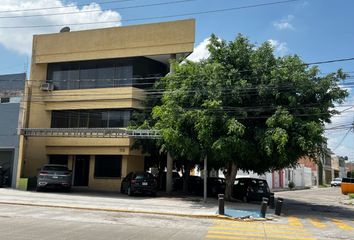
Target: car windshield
[(337, 179), (55, 168)]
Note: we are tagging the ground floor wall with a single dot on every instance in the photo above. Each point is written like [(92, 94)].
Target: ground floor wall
[(88, 163)]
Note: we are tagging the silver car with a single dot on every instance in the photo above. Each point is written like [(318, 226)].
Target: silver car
[(336, 182), (54, 176)]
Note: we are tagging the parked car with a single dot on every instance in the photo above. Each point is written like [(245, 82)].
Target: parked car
[(54, 176), (336, 182), (194, 184), (250, 189), (139, 182), (216, 186), (162, 180)]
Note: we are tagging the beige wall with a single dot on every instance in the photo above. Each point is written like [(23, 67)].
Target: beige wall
[(139, 40)]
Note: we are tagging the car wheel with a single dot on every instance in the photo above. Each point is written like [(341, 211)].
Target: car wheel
[(130, 192), (39, 189)]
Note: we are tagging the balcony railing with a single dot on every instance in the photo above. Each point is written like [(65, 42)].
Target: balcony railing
[(90, 133)]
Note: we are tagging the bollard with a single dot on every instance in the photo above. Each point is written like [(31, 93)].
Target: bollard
[(271, 201), (221, 203), (278, 206), (263, 209)]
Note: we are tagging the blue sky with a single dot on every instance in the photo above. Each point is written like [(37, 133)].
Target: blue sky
[(316, 30)]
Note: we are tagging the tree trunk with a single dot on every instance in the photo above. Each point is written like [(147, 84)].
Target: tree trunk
[(230, 175)]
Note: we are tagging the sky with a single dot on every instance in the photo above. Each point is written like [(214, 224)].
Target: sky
[(316, 30)]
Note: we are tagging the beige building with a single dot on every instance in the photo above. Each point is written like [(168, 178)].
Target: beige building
[(83, 88)]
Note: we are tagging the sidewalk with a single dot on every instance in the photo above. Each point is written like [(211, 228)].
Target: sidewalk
[(188, 206)]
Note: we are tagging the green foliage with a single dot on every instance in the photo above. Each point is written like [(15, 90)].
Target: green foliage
[(351, 195), (245, 105), (291, 185)]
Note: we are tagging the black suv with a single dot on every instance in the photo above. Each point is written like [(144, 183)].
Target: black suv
[(250, 189), (139, 182)]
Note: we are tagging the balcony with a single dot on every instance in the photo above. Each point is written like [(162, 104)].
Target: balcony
[(90, 133)]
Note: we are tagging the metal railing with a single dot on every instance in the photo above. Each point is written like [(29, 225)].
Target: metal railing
[(90, 132)]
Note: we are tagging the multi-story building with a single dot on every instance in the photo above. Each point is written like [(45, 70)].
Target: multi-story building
[(11, 90), (83, 89)]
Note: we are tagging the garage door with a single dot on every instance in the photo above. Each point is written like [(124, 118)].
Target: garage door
[(6, 162)]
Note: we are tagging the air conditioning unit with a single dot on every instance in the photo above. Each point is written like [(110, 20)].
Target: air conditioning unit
[(47, 87)]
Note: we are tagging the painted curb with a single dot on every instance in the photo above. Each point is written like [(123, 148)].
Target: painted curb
[(205, 216)]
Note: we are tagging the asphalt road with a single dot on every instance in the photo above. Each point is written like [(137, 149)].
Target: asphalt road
[(308, 215), (23, 223)]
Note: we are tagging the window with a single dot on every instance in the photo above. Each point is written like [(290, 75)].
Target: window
[(4, 100), (58, 159), (98, 118), (106, 73), (108, 166)]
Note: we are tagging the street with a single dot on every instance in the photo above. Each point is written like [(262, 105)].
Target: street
[(320, 218)]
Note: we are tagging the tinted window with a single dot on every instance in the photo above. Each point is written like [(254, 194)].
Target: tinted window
[(106, 73), (58, 159), (90, 118), (108, 166)]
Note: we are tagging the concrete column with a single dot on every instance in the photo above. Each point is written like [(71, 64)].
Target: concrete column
[(169, 173)]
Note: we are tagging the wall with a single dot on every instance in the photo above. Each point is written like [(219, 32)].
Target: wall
[(8, 133)]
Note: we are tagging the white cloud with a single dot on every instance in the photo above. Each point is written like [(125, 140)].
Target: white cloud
[(20, 39), (279, 47), (284, 23), (200, 52)]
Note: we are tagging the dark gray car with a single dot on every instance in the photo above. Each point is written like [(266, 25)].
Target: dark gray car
[(53, 176)]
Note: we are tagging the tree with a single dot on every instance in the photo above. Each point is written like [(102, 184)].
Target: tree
[(246, 109)]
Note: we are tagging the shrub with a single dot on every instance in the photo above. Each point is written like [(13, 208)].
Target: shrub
[(291, 185), (351, 195)]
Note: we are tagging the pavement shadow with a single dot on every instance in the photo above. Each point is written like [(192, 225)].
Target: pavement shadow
[(314, 210)]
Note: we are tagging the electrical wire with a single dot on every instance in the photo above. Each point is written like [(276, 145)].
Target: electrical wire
[(51, 8), (98, 10), (157, 17)]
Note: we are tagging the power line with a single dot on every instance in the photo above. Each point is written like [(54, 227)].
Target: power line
[(157, 17), (341, 141), (51, 8), (98, 10)]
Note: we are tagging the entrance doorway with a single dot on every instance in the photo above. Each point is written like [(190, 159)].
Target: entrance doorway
[(6, 167), (81, 170)]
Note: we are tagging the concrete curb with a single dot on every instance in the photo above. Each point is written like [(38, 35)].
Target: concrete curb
[(205, 216)]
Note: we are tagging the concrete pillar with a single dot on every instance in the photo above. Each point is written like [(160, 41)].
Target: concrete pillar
[(169, 173)]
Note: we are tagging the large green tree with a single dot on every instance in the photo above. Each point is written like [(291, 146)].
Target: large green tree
[(244, 108)]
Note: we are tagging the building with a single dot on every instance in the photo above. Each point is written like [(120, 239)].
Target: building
[(11, 90), (83, 89)]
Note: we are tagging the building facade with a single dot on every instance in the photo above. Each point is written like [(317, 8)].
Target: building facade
[(87, 84), (11, 90)]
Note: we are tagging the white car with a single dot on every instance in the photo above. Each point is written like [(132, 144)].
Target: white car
[(336, 182)]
